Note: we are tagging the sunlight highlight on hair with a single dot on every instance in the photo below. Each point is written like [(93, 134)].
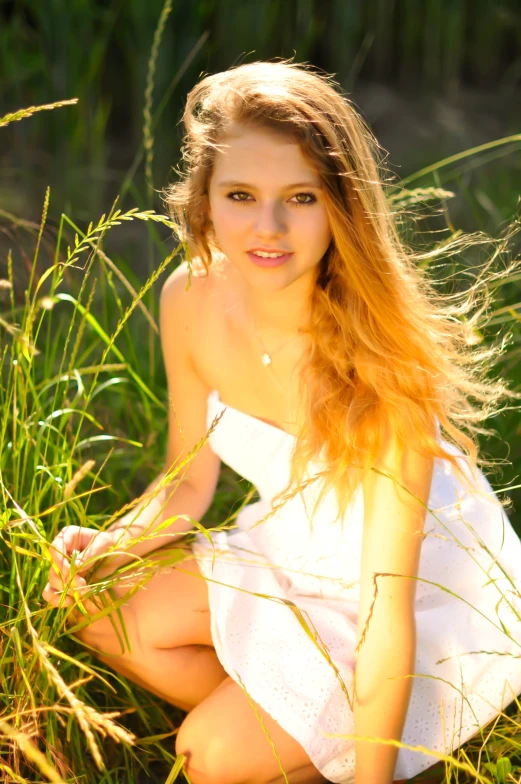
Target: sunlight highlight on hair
[(388, 352)]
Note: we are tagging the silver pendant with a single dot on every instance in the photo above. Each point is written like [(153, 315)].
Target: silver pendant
[(266, 359)]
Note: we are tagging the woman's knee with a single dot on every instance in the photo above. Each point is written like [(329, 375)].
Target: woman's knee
[(207, 759)]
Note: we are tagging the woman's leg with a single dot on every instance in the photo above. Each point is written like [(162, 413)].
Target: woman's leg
[(228, 739), (167, 622), (183, 676)]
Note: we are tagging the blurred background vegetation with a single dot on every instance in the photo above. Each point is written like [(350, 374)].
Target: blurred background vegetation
[(433, 78)]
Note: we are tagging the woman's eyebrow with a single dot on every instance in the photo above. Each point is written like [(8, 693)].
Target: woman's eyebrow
[(230, 184)]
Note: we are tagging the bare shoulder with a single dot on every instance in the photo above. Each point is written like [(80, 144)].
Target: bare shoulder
[(181, 301), (186, 296), (182, 295), (181, 281)]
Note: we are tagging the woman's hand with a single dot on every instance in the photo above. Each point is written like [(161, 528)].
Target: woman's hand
[(85, 543)]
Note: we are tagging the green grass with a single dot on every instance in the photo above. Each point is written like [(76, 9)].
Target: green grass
[(83, 428), (77, 387)]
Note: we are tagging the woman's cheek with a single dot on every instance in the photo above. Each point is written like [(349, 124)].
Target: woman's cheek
[(322, 228), (233, 222), (315, 226), (224, 217)]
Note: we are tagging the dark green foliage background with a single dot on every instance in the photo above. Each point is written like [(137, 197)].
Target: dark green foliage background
[(98, 52), (432, 77)]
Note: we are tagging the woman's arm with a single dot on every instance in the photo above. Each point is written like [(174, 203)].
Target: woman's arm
[(392, 538)]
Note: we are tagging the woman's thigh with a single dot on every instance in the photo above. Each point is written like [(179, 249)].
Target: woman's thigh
[(224, 741), (169, 610)]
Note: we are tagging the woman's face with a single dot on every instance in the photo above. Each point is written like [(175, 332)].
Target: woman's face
[(264, 195)]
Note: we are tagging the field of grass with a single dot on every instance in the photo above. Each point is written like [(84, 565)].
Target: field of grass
[(82, 432)]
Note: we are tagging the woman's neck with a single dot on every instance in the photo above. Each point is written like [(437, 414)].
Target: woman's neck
[(278, 315)]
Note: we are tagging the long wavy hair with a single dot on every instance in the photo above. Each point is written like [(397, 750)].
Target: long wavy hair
[(387, 350)]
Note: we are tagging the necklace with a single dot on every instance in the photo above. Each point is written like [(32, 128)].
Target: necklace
[(265, 357)]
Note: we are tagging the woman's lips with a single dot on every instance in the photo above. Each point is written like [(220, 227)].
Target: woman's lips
[(267, 262)]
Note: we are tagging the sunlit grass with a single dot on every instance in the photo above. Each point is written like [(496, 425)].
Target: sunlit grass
[(82, 432), (75, 401)]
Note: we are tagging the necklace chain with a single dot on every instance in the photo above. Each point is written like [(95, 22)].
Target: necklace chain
[(265, 357)]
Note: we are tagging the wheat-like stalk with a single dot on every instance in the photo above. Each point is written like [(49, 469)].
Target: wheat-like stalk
[(88, 718), (148, 136), (33, 754), (22, 113), (406, 197), (78, 476), (117, 272), (104, 223), (86, 715)]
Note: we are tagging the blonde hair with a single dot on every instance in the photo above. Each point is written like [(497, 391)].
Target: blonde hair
[(387, 351)]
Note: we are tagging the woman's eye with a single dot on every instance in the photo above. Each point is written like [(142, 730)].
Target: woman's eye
[(309, 197), (237, 193)]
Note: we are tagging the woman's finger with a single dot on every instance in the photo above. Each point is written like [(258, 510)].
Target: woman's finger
[(58, 553), (47, 592), (54, 597), (52, 590), (58, 600), (61, 583), (97, 546), (55, 580), (72, 537)]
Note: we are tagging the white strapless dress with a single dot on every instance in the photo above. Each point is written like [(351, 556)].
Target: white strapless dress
[(468, 665)]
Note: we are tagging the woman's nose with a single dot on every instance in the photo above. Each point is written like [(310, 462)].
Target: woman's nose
[(270, 220)]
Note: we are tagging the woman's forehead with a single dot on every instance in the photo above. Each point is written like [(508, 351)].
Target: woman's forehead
[(263, 151)]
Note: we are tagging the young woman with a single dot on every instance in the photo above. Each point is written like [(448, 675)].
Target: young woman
[(373, 590)]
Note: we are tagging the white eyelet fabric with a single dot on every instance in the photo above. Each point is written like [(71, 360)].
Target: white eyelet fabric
[(268, 582)]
